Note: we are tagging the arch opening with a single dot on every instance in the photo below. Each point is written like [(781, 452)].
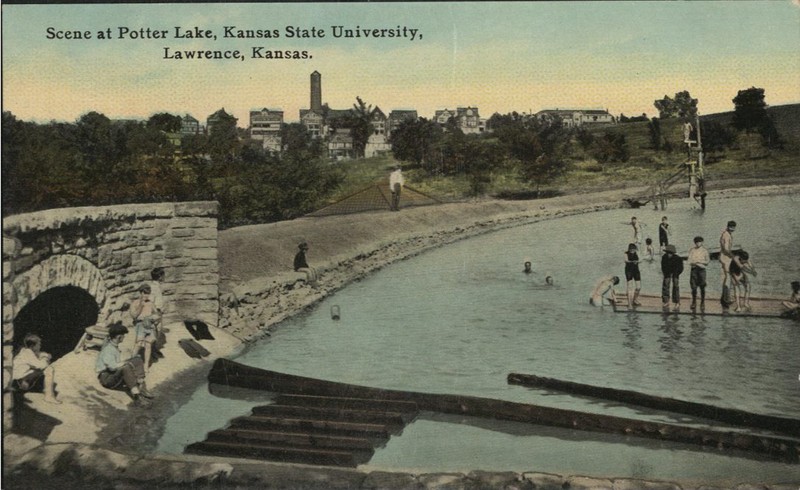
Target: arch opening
[(59, 316)]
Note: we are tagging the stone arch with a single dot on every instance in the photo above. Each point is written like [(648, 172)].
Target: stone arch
[(57, 271), (66, 280)]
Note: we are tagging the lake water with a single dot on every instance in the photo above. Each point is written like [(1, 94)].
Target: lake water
[(460, 318)]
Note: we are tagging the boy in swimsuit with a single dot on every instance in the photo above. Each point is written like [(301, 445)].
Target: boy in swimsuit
[(604, 285), (632, 274), (725, 258), (739, 269)]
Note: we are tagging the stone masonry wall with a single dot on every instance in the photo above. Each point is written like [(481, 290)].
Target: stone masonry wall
[(109, 252)]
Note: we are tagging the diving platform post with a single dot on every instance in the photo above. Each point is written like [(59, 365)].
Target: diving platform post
[(697, 181)]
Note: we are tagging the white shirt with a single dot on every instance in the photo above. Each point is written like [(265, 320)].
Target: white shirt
[(156, 295), (25, 362), (396, 177), (698, 257)]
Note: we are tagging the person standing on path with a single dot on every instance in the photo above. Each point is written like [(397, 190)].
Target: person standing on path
[(698, 261), (632, 274), (396, 183), (725, 259), (671, 267)]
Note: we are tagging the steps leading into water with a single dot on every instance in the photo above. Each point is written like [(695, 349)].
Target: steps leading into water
[(320, 430)]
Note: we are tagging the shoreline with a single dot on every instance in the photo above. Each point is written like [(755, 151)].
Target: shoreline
[(258, 290)]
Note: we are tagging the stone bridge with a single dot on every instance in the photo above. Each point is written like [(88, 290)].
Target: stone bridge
[(66, 269)]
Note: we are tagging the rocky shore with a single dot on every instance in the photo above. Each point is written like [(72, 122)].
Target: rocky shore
[(99, 441)]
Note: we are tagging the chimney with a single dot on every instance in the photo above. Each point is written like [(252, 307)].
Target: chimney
[(316, 91)]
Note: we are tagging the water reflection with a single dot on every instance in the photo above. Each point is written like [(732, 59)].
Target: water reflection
[(670, 341), (632, 332)]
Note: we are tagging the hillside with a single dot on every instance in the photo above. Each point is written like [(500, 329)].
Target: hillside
[(746, 160)]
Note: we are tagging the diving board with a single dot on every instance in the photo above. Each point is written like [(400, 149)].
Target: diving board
[(651, 303)]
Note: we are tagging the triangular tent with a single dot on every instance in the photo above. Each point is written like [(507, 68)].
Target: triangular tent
[(376, 197)]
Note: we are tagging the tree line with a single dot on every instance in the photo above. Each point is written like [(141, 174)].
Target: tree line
[(97, 161)]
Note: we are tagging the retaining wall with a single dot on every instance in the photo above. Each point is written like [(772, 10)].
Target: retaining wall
[(109, 252)]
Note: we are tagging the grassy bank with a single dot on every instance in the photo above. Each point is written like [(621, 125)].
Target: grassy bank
[(745, 160)]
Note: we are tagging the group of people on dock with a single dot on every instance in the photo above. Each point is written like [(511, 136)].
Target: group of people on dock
[(32, 368), (736, 267)]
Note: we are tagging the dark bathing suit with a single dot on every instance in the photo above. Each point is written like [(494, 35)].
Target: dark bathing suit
[(631, 269)]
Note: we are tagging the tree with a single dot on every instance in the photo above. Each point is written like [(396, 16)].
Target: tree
[(750, 114), (611, 147), (164, 121), (654, 126), (223, 139), (416, 140), (750, 110), (360, 125), (666, 108), (480, 160), (683, 105)]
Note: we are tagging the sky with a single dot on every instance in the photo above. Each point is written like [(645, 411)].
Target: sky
[(496, 56)]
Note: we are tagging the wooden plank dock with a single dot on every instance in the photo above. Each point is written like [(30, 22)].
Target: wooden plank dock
[(651, 303), (320, 430), (327, 427)]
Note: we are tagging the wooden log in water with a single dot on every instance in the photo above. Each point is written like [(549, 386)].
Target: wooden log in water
[(307, 440), (349, 403), (352, 429), (277, 453), (343, 415), (728, 415), (236, 374)]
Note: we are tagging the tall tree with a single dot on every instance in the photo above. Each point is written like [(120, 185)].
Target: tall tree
[(416, 140), (654, 127), (682, 105), (666, 107), (750, 114), (685, 105), (750, 109), (360, 125)]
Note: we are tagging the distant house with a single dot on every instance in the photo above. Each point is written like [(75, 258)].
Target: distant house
[(190, 126), (396, 117), (377, 142), (573, 118), (313, 122), (467, 119), (218, 117), (340, 144), (265, 126)]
